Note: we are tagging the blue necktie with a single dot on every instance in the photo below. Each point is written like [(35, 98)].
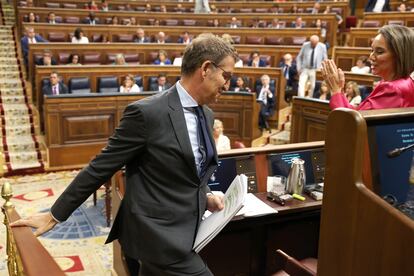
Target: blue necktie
[(205, 146)]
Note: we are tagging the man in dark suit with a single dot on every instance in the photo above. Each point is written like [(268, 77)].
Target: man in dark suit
[(167, 168), (54, 86), (91, 19), (161, 84), (140, 36), (255, 60), (29, 38), (290, 73), (266, 98)]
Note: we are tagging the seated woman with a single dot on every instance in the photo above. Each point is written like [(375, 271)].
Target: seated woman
[(120, 60), (114, 20), (222, 141), (79, 37), (129, 85), (392, 59), (361, 66), (162, 58), (241, 85), (352, 93), (73, 60), (324, 93), (32, 18)]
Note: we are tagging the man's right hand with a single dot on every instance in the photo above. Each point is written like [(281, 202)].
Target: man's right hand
[(43, 222)]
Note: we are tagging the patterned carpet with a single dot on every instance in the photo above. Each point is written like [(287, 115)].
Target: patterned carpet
[(77, 244)]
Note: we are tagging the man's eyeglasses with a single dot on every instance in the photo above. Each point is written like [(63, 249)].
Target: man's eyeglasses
[(226, 75)]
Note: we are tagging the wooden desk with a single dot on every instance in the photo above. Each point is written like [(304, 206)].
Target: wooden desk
[(384, 18), (247, 246)]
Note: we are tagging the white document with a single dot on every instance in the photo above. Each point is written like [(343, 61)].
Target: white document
[(213, 224), (254, 207)]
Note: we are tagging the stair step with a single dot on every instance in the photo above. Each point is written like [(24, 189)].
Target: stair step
[(15, 99)]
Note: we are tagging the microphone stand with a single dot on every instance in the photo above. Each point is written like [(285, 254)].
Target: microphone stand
[(396, 152)]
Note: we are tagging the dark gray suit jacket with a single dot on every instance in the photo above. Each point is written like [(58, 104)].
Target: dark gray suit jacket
[(164, 199), (47, 89)]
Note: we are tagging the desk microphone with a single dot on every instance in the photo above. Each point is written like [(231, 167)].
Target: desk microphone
[(397, 151)]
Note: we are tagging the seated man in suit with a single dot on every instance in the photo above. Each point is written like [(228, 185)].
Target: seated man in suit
[(30, 37), (140, 36), (54, 86), (51, 18), (47, 59), (91, 19), (255, 60), (161, 38), (166, 146), (161, 84), (184, 38)]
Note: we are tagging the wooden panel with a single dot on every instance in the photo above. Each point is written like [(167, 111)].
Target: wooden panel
[(81, 128), (385, 17), (78, 127), (346, 57), (361, 37), (309, 118)]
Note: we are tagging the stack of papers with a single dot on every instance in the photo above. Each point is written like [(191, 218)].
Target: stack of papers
[(213, 224), (254, 207)]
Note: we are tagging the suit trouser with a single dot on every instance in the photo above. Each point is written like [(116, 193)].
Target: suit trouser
[(305, 76), (192, 265)]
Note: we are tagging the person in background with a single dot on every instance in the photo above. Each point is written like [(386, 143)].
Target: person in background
[(378, 6), (266, 99), (140, 36), (104, 5), (31, 18), (323, 93), (79, 37), (161, 38), (290, 73), (162, 58), (120, 60), (163, 9), (184, 38), (51, 18), (92, 6), (54, 86), (310, 59), (352, 93), (298, 24), (222, 141), (255, 60), (74, 60), (129, 85), (161, 84), (201, 6), (361, 66), (91, 19), (392, 58), (114, 20), (402, 7), (275, 24), (29, 38), (47, 59), (242, 85), (234, 23)]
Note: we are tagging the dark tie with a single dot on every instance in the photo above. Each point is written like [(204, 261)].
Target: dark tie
[(205, 146), (54, 92), (286, 72), (312, 58)]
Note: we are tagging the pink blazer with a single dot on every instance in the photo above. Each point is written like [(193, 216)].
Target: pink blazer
[(387, 94)]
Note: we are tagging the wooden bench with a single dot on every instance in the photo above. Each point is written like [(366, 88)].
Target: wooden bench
[(236, 6), (147, 71), (361, 37), (384, 18), (198, 20), (146, 53), (346, 57)]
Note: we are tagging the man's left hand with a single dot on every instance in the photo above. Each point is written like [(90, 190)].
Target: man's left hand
[(214, 202)]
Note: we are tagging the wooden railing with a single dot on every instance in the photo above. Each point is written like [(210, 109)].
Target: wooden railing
[(25, 254)]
